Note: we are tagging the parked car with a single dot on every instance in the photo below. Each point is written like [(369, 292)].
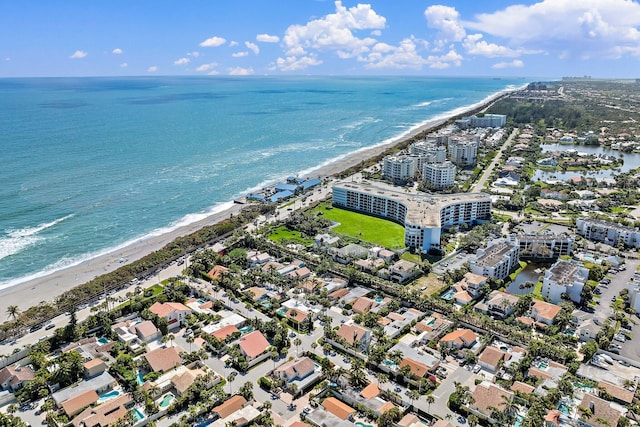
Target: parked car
[(49, 326)]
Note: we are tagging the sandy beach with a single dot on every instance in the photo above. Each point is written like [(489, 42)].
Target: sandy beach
[(47, 288)]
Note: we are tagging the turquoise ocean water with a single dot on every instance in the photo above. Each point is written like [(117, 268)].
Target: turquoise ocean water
[(90, 164)]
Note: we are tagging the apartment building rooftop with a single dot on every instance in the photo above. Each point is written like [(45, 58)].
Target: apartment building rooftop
[(493, 254), (422, 209)]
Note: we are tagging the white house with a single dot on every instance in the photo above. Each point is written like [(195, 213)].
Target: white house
[(564, 277), (497, 259)]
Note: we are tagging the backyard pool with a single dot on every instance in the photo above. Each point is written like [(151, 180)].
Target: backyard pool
[(103, 340), (107, 396), (378, 299), (140, 378), (138, 415), (361, 424), (246, 330), (166, 400), (390, 363), (448, 295)]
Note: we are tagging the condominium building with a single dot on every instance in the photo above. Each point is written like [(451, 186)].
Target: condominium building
[(439, 175), (422, 215), (398, 168), (486, 121), (497, 259), (564, 278), (436, 153), (463, 151), (608, 232), (549, 245), (634, 296)]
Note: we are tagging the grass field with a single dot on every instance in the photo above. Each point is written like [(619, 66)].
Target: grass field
[(277, 234), (367, 228)]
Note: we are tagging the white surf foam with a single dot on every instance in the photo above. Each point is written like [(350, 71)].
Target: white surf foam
[(17, 240)]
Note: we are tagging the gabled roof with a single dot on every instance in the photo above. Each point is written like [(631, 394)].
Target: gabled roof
[(461, 337), (22, 373), (522, 387), (338, 408), (163, 359), (217, 271), (75, 404), (486, 395), (299, 367), (146, 328), (492, 355), (224, 332), (351, 333), (105, 414), (363, 305), (255, 293), (233, 404), (619, 393), (546, 310), (418, 369), (296, 315), (166, 308), (370, 391), (601, 410), (253, 344)]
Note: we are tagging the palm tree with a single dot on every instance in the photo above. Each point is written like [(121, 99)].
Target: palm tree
[(297, 343), (190, 340), (314, 345), (13, 311), (413, 395), (230, 378), (430, 399)]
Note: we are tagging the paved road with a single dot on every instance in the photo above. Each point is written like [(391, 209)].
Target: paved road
[(479, 185)]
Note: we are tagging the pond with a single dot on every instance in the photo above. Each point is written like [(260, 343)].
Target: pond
[(529, 274), (631, 161)]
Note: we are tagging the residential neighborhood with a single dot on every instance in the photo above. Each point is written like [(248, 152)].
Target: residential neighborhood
[(500, 287)]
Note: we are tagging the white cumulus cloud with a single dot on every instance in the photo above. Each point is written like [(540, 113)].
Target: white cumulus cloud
[(475, 46), (293, 63), (233, 43), (567, 28), (253, 47), (445, 19), (403, 56), (124, 65), (117, 51), (240, 54), (516, 63), (181, 61), (194, 54), (335, 32), (450, 59), (267, 38), (214, 41), (152, 69), (206, 67), (239, 71), (78, 54)]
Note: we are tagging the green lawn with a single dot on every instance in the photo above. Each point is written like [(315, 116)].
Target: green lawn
[(282, 232), (367, 228)]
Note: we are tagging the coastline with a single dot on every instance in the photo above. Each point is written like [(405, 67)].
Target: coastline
[(47, 287)]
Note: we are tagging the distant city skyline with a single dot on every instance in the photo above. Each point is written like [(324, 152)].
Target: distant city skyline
[(547, 38)]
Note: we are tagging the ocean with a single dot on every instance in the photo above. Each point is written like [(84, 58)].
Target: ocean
[(89, 164)]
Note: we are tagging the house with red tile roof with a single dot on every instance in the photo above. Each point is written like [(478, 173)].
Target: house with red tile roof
[(217, 272), (77, 403), (491, 358), (603, 414), (105, 414), (253, 345), (14, 378), (363, 305), (146, 331), (338, 408), (163, 359), (460, 339), (174, 312), (94, 367), (355, 335), (418, 369), (224, 332), (296, 316), (296, 369), (231, 405), (544, 312), (487, 397)]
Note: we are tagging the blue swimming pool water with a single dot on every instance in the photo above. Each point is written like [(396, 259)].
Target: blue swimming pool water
[(166, 400), (137, 413), (140, 378), (103, 340), (110, 395), (448, 295)]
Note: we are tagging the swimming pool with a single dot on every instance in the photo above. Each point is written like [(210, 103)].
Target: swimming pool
[(448, 295), (166, 400), (390, 363), (103, 340), (361, 424), (378, 299), (246, 329), (137, 413), (140, 378), (107, 396)]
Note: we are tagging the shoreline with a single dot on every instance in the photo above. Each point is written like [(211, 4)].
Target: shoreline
[(47, 287)]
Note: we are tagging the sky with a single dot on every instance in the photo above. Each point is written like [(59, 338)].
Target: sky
[(545, 38)]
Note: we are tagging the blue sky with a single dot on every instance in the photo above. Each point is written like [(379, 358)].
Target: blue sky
[(546, 38)]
